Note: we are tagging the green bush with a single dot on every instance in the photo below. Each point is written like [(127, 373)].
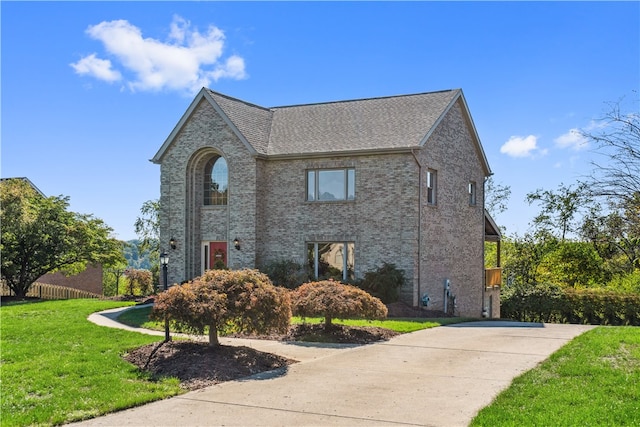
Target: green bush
[(286, 273), (384, 282), (553, 304)]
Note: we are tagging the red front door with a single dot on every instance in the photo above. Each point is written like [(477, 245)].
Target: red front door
[(217, 254)]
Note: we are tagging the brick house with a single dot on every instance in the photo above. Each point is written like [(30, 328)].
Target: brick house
[(339, 186)]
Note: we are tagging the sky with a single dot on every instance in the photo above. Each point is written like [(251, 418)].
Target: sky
[(91, 90)]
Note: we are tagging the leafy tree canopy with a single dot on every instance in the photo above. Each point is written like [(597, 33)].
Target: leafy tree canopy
[(39, 235)]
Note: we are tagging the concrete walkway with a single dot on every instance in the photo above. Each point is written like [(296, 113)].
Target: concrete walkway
[(434, 377)]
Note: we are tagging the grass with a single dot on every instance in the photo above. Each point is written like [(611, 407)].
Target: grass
[(140, 318), (57, 367), (594, 380)]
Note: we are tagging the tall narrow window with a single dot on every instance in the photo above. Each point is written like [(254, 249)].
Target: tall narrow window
[(472, 193), (216, 182), (331, 184), (431, 186)]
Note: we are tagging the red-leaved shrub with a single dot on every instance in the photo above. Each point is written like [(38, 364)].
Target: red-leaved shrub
[(335, 300), (243, 300)]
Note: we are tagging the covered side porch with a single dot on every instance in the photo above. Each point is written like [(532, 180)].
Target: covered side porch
[(492, 275)]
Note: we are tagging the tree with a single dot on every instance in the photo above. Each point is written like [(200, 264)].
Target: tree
[(615, 234), (334, 300), (140, 280), (617, 139), (39, 235), (243, 301), (571, 264), (559, 210), (496, 197), (147, 227)]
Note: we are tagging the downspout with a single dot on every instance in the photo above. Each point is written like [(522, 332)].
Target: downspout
[(418, 297)]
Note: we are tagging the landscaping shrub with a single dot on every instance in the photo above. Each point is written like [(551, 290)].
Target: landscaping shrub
[(243, 300), (334, 300), (384, 282), (286, 273), (553, 304)]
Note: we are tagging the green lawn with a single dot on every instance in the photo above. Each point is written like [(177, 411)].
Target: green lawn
[(594, 380), (57, 367), (140, 318)]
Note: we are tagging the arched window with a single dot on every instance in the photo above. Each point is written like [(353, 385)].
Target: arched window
[(216, 181)]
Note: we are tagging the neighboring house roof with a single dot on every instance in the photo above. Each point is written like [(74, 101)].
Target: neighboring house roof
[(28, 181), (391, 123)]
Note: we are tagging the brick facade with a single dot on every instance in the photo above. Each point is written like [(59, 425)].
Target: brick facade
[(389, 220)]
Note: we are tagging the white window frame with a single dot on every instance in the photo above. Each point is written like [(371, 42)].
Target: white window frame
[(472, 193), (313, 184), (432, 187)]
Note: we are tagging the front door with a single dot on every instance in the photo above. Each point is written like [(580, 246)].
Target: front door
[(215, 255)]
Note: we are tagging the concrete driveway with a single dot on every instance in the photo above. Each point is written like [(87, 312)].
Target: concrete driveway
[(435, 377)]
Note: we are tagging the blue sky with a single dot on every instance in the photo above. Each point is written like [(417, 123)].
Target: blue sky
[(90, 90)]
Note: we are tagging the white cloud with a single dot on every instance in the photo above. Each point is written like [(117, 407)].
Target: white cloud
[(518, 146), (188, 61), (99, 68), (572, 139)]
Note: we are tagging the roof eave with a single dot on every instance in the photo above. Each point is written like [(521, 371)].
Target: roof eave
[(157, 159), (346, 153), (474, 133), (204, 93)]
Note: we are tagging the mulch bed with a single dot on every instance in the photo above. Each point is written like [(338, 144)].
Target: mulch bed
[(197, 365)]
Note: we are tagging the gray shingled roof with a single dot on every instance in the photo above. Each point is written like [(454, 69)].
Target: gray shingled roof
[(366, 124)]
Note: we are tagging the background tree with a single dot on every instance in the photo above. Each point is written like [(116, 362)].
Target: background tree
[(140, 281), (571, 264), (334, 300), (560, 210), (615, 234), (242, 301), (616, 138), (112, 278), (147, 227), (496, 197), (39, 235)]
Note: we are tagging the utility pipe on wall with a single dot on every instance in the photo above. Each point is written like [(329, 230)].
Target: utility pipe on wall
[(419, 293)]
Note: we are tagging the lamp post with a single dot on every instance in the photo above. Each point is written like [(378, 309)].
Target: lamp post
[(164, 261)]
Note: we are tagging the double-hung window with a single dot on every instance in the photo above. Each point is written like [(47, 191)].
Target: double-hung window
[(472, 193), (331, 184), (432, 181)]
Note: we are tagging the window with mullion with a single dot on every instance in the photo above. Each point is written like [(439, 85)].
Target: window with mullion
[(331, 184), (331, 260)]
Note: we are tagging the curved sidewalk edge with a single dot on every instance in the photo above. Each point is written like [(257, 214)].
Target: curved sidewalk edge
[(300, 351)]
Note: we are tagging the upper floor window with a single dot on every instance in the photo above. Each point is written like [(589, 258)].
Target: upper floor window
[(331, 184), (472, 193), (432, 180), (216, 182)]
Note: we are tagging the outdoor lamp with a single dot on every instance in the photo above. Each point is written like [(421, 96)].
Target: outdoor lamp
[(236, 243), (172, 242), (164, 259)]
